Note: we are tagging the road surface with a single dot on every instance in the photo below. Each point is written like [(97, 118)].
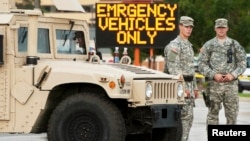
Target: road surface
[(198, 130)]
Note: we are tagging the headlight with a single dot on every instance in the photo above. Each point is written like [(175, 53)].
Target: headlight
[(149, 91), (180, 90)]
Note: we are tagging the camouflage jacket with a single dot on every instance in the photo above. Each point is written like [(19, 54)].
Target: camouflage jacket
[(179, 56), (214, 58)]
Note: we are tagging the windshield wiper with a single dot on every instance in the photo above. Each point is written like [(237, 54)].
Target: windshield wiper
[(66, 37)]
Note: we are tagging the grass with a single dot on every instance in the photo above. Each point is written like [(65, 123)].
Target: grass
[(244, 95)]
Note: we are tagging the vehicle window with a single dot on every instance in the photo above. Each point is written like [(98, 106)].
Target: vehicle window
[(43, 45), (70, 42), (248, 62), (22, 39)]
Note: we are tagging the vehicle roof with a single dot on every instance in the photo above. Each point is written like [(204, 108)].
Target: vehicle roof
[(5, 18)]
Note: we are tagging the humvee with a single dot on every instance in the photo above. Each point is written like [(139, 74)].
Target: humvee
[(50, 85)]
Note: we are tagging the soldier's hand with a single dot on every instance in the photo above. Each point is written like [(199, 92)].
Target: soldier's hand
[(187, 92), (196, 93), (223, 78), (228, 77), (219, 77)]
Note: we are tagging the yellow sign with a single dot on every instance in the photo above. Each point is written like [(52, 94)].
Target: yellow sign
[(136, 25)]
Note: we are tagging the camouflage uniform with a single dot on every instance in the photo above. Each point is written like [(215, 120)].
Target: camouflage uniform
[(179, 56), (214, 60)]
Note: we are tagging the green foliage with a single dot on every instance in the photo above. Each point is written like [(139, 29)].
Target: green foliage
[(205, 12), (244, 95)]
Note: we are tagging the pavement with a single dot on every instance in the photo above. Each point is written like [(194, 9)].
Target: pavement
[(198, 131)]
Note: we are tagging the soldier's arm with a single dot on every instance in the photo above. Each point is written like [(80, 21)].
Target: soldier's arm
[(241, 60), (165, 70), (173, 60), (203, 64)]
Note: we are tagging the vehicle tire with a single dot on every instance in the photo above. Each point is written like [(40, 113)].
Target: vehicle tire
[(86, 117), (240, 89)]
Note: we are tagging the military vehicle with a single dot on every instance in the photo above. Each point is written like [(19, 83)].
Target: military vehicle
[(50, 85)]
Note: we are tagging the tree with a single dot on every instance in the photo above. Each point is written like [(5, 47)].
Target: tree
[(207, 11)]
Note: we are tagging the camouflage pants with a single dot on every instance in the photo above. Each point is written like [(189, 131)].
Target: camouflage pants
[(226, 94), (187, 118)]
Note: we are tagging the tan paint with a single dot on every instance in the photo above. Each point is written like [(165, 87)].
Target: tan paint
[(25, 88)]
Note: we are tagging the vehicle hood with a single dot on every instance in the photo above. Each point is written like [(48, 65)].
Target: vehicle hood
[(77, 72), (105, 68)]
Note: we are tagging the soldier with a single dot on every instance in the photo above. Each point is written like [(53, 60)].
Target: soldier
[(223, 59), (179, 56)]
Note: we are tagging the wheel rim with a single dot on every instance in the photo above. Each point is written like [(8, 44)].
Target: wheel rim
[(83, 127)]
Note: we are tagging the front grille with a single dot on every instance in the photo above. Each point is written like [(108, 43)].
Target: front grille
[(165, 90)]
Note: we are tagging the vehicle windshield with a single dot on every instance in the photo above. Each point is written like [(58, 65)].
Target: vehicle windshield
[(70, 42)]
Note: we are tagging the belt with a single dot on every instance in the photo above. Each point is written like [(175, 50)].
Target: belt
[(188, 78)]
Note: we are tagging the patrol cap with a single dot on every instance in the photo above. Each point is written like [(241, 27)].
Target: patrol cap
[(221, 22), (186, 21)]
